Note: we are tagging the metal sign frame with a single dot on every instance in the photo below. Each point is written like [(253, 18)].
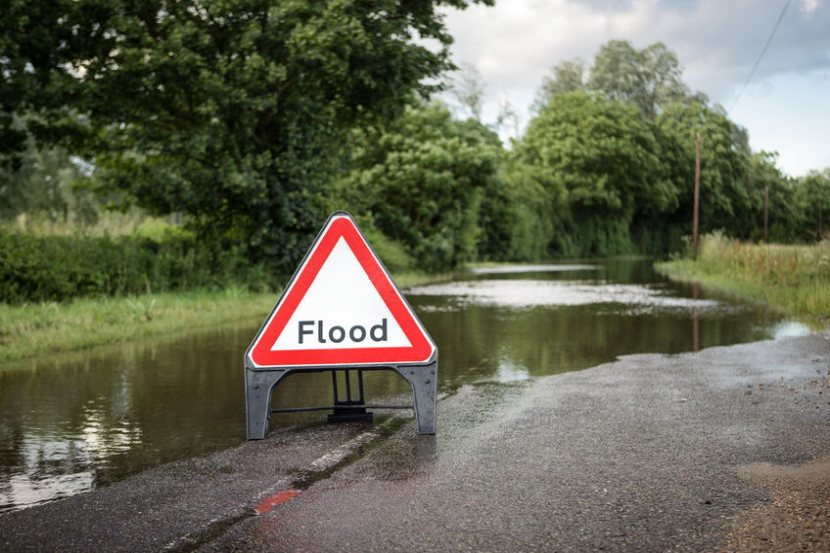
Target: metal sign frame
[(261, 380)]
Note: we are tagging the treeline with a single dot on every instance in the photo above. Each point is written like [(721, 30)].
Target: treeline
[(605, 167), (252, 120)]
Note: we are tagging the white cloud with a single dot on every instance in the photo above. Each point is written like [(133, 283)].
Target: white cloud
[(809, 6)]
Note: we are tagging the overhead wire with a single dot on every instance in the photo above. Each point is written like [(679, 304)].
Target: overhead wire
[(760, 56)]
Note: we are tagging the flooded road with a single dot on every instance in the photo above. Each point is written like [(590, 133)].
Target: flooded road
[(77, 422)]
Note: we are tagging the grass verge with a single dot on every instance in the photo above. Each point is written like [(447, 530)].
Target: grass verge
[(794, 280), (36, 329), (29, 330)]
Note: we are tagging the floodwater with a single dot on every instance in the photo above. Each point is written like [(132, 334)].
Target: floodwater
[(72, 423)]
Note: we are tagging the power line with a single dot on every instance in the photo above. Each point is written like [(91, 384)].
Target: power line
[(760, 56)]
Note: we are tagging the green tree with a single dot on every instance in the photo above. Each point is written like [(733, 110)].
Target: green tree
[(533, 213), (650, 78), (785, 215), (567, 76), (467, 89), (231, 111), (815, 192), (604, 156), (727, 201), (420, 180)]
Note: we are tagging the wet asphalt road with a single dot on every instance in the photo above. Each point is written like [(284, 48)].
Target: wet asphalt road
[(642, 454)]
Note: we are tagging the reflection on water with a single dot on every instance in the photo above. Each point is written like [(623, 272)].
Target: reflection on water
[(79, 421), (528, 268), (547, 293)]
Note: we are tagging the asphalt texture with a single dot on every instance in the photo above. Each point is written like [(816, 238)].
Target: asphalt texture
[(649, 453)]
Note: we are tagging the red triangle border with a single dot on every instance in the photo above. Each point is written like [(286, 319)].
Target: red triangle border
[(341, 226)]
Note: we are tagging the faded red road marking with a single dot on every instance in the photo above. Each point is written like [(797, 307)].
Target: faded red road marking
[(277, 499)]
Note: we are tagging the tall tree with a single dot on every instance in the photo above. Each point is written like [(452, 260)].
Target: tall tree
[(44, 185), (785, 217), (232, 111), (567, 76), (727, 201), (650, 78), (604, 155)]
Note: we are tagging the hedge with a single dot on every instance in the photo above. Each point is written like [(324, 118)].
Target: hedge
[(54, 268)]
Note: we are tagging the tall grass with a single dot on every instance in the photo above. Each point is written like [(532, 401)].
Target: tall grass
[(132, 222), (35, 329), (793, 279)]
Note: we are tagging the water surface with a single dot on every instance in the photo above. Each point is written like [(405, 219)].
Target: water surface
[(71, 423)]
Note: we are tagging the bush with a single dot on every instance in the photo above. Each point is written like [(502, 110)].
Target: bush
[(55, 268)]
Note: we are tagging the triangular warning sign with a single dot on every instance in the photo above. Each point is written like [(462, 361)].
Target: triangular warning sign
[(340, 308)]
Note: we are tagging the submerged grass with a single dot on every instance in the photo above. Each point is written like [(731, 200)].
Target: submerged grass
[(36, 329), (792, 279)]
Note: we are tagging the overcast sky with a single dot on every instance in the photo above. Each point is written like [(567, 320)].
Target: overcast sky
[(786, 107)]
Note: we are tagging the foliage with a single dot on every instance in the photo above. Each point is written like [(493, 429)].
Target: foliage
[(518, 215), (649, 79), (785, 217), (420, 182), (32, 329), (61, 267), (45, 182), (107, 223), (230, 111), (392, 253), (603, 157), (628, 180), (727, 200), (566, 76), (468, 91), (250, 120), (815, 198)]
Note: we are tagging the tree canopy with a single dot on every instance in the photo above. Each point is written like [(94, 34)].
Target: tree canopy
[(421, 179), (649, 79), (230, 111)]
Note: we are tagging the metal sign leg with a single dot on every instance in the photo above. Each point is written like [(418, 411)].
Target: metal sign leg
[(425, 389), (258, 386)]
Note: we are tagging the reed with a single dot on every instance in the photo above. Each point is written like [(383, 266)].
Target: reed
[(794, 279)]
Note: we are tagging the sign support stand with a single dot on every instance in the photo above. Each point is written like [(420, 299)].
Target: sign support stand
[(260, 383)]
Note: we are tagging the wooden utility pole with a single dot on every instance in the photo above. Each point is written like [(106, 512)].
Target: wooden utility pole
[(766, 215), (697, 195)]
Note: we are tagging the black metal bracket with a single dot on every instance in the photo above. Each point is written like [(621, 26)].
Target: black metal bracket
[(352, 408), (349, 409)]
